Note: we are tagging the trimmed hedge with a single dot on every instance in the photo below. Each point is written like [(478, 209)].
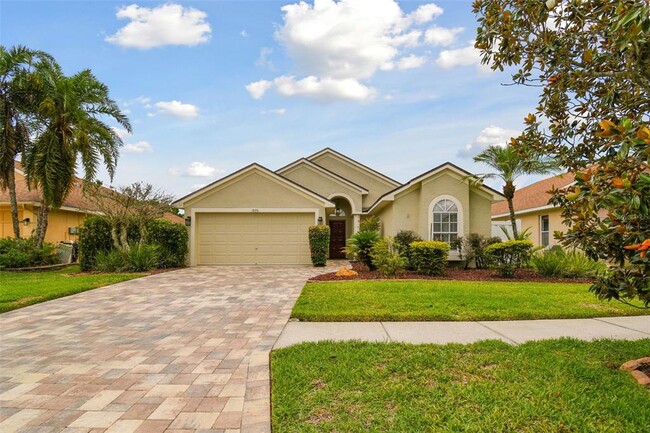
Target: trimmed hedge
[(173, 240), (94, 239), (387, 258), (319, 244), (22, 253), (430, 257), (509, 256)]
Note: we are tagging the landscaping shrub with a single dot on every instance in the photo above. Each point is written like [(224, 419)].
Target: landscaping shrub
[(403, 241), (386, 257), (173, 240), (430, 257), (557, 263), (471, 249), (370, 224), (142, 257), (360, 245), (94, 239), (23, 253), (319, 244), (509, 256), (111, 261)]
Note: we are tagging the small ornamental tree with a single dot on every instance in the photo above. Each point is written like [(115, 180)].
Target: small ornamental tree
[(590, 60)]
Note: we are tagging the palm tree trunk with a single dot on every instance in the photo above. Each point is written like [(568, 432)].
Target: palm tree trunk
[(41, 227), (11, 183), (509, 193)]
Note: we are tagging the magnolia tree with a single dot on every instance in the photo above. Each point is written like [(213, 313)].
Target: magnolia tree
[(590, 60)]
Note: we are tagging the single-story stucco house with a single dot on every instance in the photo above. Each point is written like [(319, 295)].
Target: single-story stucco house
[(259, 216)]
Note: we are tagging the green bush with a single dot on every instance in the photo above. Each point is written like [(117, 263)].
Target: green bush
[(94, 239), (403, 241), (23, 253), (471, 250), (359, 246), (173, 240), (386, 257), (141, 257), (509, 256), (430, 257), (319, 244), (370, 224), (111, 261), (557, 263)]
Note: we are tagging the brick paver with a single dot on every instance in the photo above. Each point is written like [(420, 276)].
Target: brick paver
[(180, 351)]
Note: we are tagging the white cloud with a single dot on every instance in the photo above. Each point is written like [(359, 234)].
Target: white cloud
[(278, 111), (411, 62), (178, 109), (426, 13), (441, 36), (258, 88), (200, 169), (138, 147), (244, 34), (167, 24), (340, 44), (325, 89), (490, 136), (174, 171), (461, 57), (263, 60), (121, 132)]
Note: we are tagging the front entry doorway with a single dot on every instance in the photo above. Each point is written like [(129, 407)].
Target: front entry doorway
[(337, 239)]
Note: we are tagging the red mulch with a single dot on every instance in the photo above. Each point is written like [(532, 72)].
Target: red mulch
[(452, 273)]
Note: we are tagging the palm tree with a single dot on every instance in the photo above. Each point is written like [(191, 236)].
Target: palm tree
[(72, 109), (509, 165), (17, 107)]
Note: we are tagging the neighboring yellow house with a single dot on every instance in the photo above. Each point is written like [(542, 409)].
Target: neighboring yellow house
[(63, 223), (259, 216), (533, 210)]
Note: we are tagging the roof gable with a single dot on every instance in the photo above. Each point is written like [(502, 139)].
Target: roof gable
[(254, 168), (364, 168), (434, 172), (324, 171)]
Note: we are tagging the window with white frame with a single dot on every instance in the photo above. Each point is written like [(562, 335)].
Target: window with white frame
[(544, 230), (444, 225)]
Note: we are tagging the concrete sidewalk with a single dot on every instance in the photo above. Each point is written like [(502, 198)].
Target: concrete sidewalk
[(514, 332)]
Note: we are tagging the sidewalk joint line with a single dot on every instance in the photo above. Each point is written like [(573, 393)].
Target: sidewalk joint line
[(390, 340), (602, 320), (498, 333)]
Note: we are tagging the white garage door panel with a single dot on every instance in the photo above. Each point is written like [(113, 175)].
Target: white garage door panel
[(253, 238)]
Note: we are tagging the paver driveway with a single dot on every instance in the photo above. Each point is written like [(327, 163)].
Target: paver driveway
[(179, 352)]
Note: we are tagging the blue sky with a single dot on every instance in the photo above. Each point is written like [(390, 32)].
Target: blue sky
[(211, 86)]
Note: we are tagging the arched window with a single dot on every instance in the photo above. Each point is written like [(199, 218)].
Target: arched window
[(444, 221)]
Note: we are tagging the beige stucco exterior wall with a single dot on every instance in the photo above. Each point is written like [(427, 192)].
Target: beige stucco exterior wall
[(58, 222), (375, 185), (410, 209), (532, 220), (323, 184), (479, 214)]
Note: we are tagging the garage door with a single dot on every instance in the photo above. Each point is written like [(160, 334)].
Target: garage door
[(253, 238)]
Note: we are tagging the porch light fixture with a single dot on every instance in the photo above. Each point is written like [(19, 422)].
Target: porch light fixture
[(320, 220), (188, 221), (337, 211), (25, 222)]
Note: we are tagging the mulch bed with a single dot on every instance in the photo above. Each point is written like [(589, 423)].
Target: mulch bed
[(452, 273)]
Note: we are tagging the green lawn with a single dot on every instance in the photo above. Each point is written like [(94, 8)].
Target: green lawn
[(452, 301), (551, 386), (19, 289)]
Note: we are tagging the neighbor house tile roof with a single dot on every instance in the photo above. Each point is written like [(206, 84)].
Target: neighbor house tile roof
[(534, 195), (75, 199)]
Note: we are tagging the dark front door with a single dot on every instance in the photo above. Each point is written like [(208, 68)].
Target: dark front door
[(337, 239)]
